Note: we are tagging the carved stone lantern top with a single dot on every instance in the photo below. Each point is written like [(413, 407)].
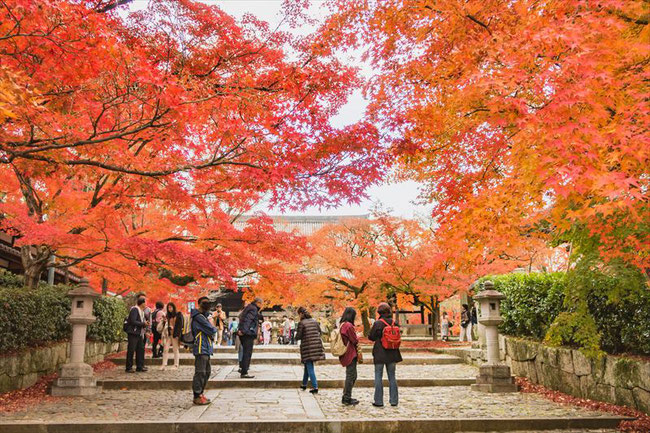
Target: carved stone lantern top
[(81, 311), (490, 305)]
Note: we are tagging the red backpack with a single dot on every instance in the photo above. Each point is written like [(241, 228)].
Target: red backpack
[(391, 337)]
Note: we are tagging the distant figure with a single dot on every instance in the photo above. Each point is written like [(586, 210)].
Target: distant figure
[(157, 316), (171, 329), (204, 334), (292, 324), (350, 358), (473, 322), (445, 324), (219, 319), (286, 330), (233, 327), (248, 327), (147, 329), (311, 348), (266, 331), (465, 323), (384, 357)]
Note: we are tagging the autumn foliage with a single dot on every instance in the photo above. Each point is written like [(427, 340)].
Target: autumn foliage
[(131, 142), (527, 121)]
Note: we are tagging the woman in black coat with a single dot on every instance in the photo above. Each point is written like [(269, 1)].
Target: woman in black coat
[(311, 347), (384, 357)]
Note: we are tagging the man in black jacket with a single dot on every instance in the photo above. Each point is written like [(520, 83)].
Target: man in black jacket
[(136, 325), (248, 325)]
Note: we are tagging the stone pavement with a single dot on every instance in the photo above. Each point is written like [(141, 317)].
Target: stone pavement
[(273, 402)]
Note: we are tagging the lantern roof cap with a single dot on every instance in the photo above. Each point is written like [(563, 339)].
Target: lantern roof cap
[(83, 289), (490, 294)]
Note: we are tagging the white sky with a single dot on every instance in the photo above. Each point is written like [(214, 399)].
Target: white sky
[(397, 197)]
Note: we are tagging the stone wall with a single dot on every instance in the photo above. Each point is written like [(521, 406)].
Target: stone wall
[(23, 369), (613, 379)]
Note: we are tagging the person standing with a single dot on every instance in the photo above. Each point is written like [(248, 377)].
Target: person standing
[(266, 331), (135, 329), (147, 329), (349, 359), (219, 318), (156, 317), (171, 331), (248, 328), (465, 324), (384, 358), (234, 326), (203, 332), (444, 327), (473, 322), (286, 330), (292, 325), (311, 348)]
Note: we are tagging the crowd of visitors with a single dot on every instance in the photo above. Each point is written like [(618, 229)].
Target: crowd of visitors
[(168, 329)]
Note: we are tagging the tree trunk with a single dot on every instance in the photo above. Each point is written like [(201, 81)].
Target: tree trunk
[(35, 260), (104, 286), (366, 322)]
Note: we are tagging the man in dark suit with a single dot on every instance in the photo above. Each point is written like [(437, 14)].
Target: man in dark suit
[(136, 325), (248, 326)]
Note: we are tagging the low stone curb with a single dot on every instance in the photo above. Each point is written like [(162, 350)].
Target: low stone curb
[(294, 361), (443, 425), (263, 383)]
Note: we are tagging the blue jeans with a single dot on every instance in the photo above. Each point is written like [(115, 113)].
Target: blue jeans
[(310, 374), (392, 384)]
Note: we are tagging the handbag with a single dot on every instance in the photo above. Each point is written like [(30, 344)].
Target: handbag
[(359, 354)]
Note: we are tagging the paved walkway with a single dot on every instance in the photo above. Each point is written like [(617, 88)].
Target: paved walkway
[(274, 396), (294, 404)]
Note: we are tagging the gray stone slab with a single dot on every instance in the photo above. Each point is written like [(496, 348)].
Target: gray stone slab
[(442, 425), (272, 383)]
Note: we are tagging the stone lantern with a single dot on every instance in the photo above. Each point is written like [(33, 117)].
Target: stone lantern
[(493, 376), (76, 377)]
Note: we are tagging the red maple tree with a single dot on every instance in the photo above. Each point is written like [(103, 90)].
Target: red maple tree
[(130, 143)]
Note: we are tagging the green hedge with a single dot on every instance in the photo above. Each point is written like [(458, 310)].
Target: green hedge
[(30, 318), (532, 302), (535, 304)]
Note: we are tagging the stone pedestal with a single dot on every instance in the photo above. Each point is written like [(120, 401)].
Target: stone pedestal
[(76, 377), (494, 378)]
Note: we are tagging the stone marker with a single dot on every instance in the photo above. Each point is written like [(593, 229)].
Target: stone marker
[(76, 377), (493, 376)]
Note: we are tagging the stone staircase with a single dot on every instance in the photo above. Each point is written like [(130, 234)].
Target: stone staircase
[(435, 396)]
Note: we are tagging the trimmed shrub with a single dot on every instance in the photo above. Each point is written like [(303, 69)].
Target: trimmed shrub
[(34, 317), (532, 302), (535, 307), (110, 313), (30, 318)]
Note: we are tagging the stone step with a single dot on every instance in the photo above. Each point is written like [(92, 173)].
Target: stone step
[(294, 359), (228, 425), (296, 349), (180, 384)]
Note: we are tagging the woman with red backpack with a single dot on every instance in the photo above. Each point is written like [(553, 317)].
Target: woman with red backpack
[(385, 353)]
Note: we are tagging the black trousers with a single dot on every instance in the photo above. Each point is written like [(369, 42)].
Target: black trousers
[(157, 351), (350, 379), (202, 371), (247, 342), (135, 347)]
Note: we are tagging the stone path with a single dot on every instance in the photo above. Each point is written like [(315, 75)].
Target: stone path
[(284, 404), (273, 403)]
